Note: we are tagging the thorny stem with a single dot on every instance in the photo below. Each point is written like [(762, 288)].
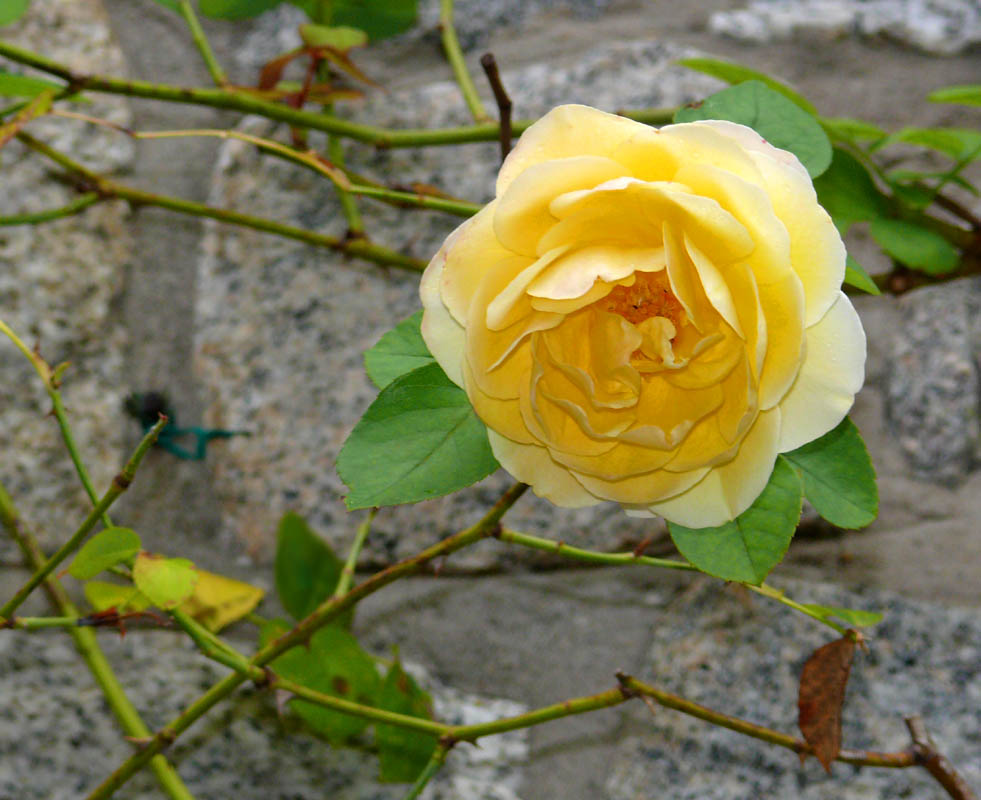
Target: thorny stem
[(355, 225), (88, 647), (431, 768), (347, 573), (237, 99), (50, 379), (489, 63), (201, 42), (333, 170), (321, 616), (619, 559), (865, 758), (119, 485), (926, 754), (451, 47), (76, 206), (107, 188)]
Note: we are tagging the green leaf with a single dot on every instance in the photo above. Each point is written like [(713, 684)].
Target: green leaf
[(961, 144), (339, 38), (772, 116), (378, 19), (167, 582), (102, 595), (420, 439), (335, 664), (848, 193), (398, 352), (852, 130), (915, 246), (737, 73), (12, 10), (236, 9), (850, 616), (838, 476), (307, 571), (12, 85), (173, 5), (747, 548), (106, 549), (962, 95), (855, 275), (403, 753)]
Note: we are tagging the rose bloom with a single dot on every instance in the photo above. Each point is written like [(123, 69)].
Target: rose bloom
[(645, 315)]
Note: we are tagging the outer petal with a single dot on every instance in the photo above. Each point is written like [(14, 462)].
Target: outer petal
[(445, 337), (817, 253), (727, 491), (533, 465), (831, 375), (565, 131), (472, 250)]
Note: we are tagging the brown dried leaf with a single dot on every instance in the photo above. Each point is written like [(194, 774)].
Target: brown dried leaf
[(821, 696)]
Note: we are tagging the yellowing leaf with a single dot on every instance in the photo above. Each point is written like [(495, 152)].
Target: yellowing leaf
[(168, 582), (218, 601), (103, 595)]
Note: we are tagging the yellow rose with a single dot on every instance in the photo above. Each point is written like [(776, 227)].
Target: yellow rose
[(647, 316)]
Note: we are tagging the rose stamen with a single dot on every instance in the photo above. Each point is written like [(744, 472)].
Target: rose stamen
[(650, 296)]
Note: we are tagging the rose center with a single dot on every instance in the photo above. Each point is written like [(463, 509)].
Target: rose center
[(650, 296)]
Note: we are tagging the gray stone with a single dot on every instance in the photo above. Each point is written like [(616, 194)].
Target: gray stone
[(275, 32), (58, 284), (932, 387), (281, 328), (744, 659), (943, 27), (58, 739)]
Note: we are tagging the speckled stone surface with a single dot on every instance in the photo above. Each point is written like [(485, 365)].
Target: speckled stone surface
[(942, 27), (276, 31), (282, 328), (58, 283), (932, 384), (744, 658), (58, 739)]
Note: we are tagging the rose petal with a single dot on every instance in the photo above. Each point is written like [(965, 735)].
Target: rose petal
[(444, 336), (728, 490), (503, 416), (715, 287), (512, 304), (533, 465), (830, 377), (783, 309), (523, 215), (641, 489), (817, 253), (753, 208), (565, 131), (574, 274), (472, 250)]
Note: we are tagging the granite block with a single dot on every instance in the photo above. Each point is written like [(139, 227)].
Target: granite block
[(59, 282), (744, 659), (941, 27)]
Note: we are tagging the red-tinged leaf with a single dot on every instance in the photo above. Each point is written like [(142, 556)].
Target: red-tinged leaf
[(272, 72), (342, 61), (821, 697)]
